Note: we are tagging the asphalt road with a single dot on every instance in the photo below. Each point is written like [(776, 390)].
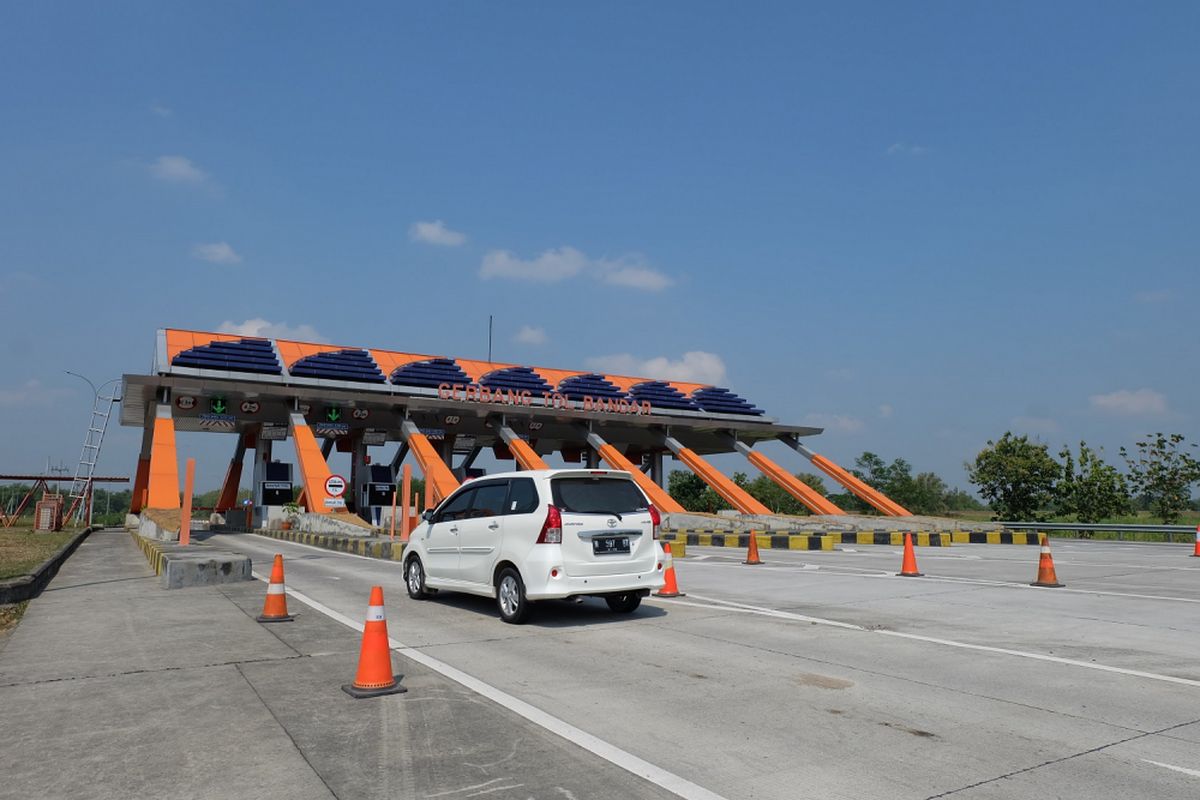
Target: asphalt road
[(824, 675)]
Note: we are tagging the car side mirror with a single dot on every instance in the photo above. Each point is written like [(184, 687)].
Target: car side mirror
[(427, 515)]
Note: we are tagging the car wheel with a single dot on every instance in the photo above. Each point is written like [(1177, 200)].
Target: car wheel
[(510, 597), (623, 603), (414, 579)]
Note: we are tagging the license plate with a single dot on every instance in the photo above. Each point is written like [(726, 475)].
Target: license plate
[(610, 544)]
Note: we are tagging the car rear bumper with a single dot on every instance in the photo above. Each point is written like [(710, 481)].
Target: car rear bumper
[(546, 579)]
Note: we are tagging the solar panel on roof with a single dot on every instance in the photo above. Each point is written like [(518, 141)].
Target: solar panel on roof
[(723, 401), (243, 355), (431, 373), (593, 385), (342, 365), (661, 394), (518, 378)]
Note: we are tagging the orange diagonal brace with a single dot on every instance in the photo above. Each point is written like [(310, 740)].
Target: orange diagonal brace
[(432, 466), (862, 490), (617, 460), (797, 488), (733, 494), (525, 455), (313, 468)]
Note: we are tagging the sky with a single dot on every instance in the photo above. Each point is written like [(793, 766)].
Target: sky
[(918, 225)]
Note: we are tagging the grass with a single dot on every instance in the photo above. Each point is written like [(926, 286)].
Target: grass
[(10, 615), (22, 550)]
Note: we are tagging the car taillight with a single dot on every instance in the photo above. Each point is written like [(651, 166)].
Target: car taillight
[(551, 528), (655, 520)]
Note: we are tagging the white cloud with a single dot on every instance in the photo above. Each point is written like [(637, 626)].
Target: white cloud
[(31, 393), (177, 169), (838, 423), (565, 262), (694, 367), (531, 335), (271, 330), (1151, 297), (885, 411), (1141, 402), (903, 149), (217, 253), (1034, 425), (435, 232)]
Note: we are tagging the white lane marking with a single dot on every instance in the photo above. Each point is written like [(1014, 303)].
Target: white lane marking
[(464, 789), (848, 550), (1195, 773), (771, 612), (625, 760)]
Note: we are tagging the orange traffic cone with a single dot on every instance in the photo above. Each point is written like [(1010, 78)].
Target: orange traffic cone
[(1196, 554), (670, 587), (752, 550), (908, 567), (1046, 576), (275, 607), (374, 677)]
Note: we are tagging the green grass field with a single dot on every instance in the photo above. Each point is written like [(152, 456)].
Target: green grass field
[(21, 550)]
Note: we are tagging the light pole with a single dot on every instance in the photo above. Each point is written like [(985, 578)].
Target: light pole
[(88, 487)]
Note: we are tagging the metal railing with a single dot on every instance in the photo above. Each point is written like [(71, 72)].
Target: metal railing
[(1155, 533)]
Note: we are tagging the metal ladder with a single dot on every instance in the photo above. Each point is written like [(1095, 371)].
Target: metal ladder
[(81, 487)]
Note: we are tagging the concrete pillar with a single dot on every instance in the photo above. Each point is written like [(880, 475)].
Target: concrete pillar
[(656, 468), (358, 474), (141, 479), (163, 481), (262, 457)]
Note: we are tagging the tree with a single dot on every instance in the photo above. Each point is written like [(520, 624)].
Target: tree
[(1163, 473), (926, 495), (1096, 493), (958, 500), (693, 493), (1016, 477), (776, 498)]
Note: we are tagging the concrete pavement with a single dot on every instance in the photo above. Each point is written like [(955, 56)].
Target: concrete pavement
[(112, 687)]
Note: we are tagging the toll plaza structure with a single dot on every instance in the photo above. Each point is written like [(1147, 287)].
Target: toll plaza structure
[(444, 412)]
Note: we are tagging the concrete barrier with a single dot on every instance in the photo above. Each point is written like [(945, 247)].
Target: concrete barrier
[(772, 540), (197, 564)]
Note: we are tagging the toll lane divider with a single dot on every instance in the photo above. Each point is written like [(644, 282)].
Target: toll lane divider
[(774, 540), (995, 537), (825, 540), (197, 564), (366, 546)]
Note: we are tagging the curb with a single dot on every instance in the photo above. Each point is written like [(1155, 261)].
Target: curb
[(367, 546), (26, 587), (774, 540), (995, 537)]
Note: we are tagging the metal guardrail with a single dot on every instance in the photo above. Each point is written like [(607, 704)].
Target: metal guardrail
[(1186, 532)]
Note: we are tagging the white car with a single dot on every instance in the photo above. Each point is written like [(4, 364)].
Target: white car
[(540, 535)]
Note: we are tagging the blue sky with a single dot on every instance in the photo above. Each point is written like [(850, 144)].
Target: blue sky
[(920, 225)]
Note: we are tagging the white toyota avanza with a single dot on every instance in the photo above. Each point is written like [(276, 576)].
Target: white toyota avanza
[(539, 535)]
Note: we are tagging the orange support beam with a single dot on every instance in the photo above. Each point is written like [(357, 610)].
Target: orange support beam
[(522, 452), (617, 460), (432, 466), (141, 481), (735, 495), (314, 471), (163, 483), (860, 489), (797, 488)]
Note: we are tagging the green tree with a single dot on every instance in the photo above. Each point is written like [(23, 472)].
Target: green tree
[(1162, 473), (693, 493), (1096, 492), (958, 500), (1016, 477), (926, 494)]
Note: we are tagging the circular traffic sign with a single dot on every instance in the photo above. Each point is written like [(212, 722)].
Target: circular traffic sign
[(250, 406), (335, 486)]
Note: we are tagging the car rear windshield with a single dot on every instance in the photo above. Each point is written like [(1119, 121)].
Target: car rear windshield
[(597, 495)]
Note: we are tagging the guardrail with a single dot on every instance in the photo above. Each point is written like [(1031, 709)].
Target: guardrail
[(1155, 533)]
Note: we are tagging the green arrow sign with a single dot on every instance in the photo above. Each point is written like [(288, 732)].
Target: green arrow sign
[(218, 405), (333, 414)]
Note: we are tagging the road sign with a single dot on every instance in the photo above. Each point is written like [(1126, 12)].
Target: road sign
[(333, 414), (185, 402), (361, 413), (218, 405), (335, 486), (250, 406)]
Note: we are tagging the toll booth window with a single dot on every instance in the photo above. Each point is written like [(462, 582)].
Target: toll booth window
[(457, 507), (489, 500), (522, 496)]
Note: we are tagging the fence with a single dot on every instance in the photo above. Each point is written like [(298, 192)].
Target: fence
[(1133, 533)]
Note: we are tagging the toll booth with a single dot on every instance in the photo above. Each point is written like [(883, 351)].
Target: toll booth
[(276, 488), (377, 492)]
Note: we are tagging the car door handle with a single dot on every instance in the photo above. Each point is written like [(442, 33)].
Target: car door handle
[(454, 529), (494, 525)]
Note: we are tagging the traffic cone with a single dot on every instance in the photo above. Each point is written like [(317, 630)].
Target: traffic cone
[(670, 587), (1196, 554), (752, 551), (1046, 576), (908, 567), (374, 677), (275, 607)]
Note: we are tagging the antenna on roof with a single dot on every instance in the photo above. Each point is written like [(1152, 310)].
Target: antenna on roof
[(489, 338)]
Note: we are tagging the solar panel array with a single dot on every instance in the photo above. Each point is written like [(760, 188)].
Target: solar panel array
[(723, 401), (591, 385), (430, 374), (661, 394), (518, 378), (243, 355), (339, 365)]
